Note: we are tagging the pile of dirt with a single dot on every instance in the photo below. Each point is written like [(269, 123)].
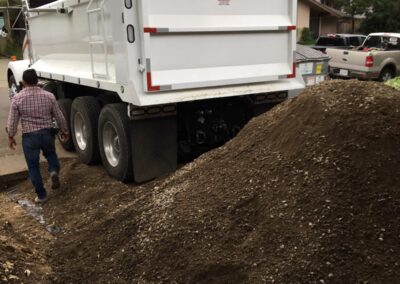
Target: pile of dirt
[(307, 193)]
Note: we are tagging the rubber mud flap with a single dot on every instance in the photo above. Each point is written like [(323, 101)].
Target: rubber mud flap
[(154, 147)]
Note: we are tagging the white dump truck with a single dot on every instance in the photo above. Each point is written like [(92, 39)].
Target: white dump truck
[(145, 81)]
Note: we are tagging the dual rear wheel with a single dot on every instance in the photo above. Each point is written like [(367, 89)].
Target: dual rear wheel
[(114, 141), (100, 134)]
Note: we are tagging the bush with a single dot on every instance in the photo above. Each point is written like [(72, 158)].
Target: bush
[(13, 48), (306, 37)]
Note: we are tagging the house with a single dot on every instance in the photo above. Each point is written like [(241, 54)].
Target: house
[(321, 18), (4, 22)]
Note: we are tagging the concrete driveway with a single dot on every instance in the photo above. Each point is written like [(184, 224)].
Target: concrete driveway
[(13, 161)]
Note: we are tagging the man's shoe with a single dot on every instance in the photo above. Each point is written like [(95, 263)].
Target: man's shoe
[(40, 200), (55, 180)]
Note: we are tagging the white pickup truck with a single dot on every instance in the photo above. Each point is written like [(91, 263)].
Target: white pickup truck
[(377, 59)]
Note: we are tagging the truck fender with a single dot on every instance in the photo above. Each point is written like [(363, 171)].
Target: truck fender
[(389, 62), (17, 68)]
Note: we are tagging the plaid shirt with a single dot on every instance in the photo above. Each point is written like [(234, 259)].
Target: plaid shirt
[(36, 109)]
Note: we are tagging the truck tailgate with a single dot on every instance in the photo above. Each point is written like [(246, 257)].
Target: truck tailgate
[(207, 43), (347, 59)]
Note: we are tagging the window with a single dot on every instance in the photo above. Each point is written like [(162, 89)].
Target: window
[(373, 41), (331, 41), (362, 39), (391, 43), (354, 41)]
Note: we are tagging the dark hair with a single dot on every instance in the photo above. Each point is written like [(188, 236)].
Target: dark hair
[(30, 77)]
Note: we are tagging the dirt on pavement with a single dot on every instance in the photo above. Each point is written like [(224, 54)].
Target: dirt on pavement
[(307, 193)]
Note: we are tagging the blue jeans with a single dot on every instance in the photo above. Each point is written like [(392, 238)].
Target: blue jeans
[(33, 143)]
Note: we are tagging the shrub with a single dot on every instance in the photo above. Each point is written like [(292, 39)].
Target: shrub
[(306, 37)]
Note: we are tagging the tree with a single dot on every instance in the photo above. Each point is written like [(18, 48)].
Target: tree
[(383, 17), (353, 8)]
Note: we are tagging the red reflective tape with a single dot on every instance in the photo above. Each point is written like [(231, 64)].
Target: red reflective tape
[(293, 75), (150, 86), (150, 30), (291, 28)]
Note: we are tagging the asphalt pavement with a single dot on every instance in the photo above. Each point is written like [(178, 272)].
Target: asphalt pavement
[(12, 162)]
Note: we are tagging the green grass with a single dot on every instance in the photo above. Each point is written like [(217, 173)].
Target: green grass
[(395, 83)]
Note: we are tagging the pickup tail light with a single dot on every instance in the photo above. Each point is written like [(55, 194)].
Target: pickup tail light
[(369, 61)]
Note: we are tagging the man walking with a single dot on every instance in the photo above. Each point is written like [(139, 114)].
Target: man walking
[(36, 109)]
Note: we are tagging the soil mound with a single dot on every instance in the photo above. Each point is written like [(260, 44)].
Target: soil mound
[(307, 193)]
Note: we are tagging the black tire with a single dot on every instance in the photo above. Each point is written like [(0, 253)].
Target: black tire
[(86, 109), (65, 106), (106, 99), (116, 116), (386, 74), (13, 86), (51, 87)]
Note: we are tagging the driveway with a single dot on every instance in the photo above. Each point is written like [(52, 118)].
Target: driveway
[(12, 161)]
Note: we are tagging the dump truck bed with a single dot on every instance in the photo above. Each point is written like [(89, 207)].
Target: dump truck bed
[(168, 51)]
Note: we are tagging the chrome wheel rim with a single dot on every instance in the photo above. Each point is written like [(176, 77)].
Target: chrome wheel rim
[(80, 130), (111, 144), (386, 77)]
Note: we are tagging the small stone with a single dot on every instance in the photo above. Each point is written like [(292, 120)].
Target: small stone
[(27, 272), (8, 265)]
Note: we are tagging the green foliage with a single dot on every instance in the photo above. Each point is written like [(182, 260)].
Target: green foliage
[(306, 37), (3, 3), (13, 48), (384, 17), (353, 7), (395, 83)]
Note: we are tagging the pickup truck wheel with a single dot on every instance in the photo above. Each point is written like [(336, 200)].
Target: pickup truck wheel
[(386, 75), (84, 116), (65, 106), (114, 141)]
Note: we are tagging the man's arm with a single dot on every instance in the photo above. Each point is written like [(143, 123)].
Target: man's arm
[(13, 119), (12, 124), (59, 116)]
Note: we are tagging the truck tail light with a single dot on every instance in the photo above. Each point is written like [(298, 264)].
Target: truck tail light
[(369, 61)]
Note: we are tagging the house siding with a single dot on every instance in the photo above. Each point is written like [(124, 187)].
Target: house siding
[(329, 25), (303, 15)]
